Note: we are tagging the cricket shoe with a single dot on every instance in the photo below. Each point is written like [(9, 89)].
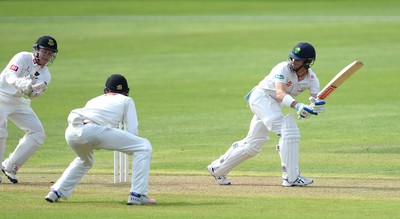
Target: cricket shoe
[(10, 174), (222, 180), (137, 199), (300, 181), (53, 196)]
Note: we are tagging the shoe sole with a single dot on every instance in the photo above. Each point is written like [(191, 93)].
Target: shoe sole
[(49, 200), (147, 203), (293, 185), (11, 179), (152, 202)]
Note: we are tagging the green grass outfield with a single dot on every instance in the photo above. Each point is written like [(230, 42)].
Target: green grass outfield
[(189, 64)]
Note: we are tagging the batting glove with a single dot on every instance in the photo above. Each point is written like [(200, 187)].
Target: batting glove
[(304, 111), (317, 105)]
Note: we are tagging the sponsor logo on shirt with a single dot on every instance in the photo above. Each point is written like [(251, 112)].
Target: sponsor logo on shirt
[(278, 76), (14, 67)]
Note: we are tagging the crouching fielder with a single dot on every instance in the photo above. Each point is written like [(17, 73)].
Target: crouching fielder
[(285, 81), (94, 127)]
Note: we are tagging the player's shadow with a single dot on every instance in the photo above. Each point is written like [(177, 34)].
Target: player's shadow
[(356, 187), (159, 203)]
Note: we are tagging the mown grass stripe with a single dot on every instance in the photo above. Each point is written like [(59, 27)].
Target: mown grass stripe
[(205, 18)]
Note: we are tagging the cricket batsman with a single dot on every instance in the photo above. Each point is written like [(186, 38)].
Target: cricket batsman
[(285, 81), (25, 77)]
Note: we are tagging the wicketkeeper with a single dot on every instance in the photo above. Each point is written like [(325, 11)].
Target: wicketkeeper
[(25, 77), (94, 127), (285, 81)]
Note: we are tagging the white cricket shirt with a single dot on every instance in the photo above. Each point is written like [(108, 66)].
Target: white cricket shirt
[(20, 66), (282, 73), (110, 109)]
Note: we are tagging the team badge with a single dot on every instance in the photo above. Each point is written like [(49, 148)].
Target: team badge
[(119, 87), (51, 42), (297, 50)]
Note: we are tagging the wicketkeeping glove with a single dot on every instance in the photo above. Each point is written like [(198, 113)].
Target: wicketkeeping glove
[(38, 89), (304, 111), (24, 85), (317, 105)]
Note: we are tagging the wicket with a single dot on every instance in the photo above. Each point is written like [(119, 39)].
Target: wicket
[(121, 164), (121, 167)]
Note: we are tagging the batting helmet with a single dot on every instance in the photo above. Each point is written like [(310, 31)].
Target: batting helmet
[(117, 83), (46, 42), (303, 52)]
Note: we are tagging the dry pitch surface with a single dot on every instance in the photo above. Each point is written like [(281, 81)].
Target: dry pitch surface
[(205, 186)]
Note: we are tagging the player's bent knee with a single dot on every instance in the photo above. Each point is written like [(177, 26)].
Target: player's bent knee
[(274, 122), (255, 147), (146, 146), (38, 137), (84, 161)]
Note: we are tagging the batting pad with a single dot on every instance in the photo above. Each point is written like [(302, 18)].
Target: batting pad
[(289, 148), (235, 155), (26, 148)]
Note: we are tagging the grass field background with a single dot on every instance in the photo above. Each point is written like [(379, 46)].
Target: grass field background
[(189, 64)]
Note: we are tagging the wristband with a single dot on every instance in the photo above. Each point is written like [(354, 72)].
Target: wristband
[(288, 100)]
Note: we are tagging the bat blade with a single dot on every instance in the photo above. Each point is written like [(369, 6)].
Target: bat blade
[(339, 79)]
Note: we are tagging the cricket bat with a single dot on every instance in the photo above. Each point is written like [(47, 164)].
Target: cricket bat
[(339, 79)]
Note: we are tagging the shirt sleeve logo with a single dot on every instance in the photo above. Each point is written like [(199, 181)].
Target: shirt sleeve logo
[(279, 76), (14, 67)]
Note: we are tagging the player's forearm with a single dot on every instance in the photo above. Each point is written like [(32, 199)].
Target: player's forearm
[(289, 101), (11, 78)]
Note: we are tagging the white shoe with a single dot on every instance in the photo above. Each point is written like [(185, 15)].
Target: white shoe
[(53, 196), (300, 181), (137, 199), (10, 174), (222, 180)]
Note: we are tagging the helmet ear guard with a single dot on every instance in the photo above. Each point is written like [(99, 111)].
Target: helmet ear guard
[(308, 63)]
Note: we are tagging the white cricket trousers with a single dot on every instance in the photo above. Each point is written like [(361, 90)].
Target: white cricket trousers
[(267, 118), (19, 111), (84, 138)]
